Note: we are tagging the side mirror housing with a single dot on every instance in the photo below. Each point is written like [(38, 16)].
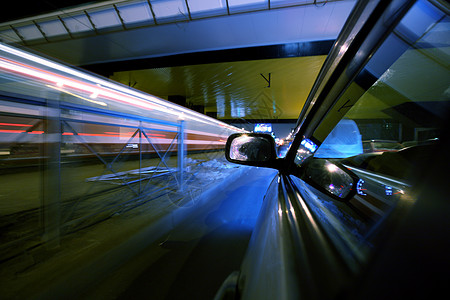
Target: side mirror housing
[(330, 178), (252, 149)]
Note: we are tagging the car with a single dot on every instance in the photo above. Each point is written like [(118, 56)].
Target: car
[(359, 225)]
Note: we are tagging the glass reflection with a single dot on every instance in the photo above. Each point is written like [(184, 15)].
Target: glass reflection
[(250, 148), (329, 177)]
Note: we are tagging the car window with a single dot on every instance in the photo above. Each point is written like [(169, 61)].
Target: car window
[(384, 125)]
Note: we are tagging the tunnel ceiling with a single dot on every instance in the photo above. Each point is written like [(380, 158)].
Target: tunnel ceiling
[(262, 64), (258, 89)]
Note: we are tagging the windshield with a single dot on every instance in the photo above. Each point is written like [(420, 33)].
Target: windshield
[(385, 126), (403, 91)]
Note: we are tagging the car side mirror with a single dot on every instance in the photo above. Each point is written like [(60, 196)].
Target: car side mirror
[(252, 149), (330, 178)]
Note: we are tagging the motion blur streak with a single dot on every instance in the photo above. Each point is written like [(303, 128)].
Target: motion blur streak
[(76, 152)]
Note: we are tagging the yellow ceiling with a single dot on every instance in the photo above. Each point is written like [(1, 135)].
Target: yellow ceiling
[(235, 89)]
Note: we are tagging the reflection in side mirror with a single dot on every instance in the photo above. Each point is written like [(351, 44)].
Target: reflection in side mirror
[(256, 149), (330, 178)]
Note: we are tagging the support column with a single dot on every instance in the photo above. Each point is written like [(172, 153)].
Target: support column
[(140, 157), (51, 177), (181, 154)]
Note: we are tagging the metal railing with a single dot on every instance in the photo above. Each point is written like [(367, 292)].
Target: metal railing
[(113, 16), (127, 174)]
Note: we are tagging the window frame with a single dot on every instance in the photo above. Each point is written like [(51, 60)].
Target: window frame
[(370, 24)]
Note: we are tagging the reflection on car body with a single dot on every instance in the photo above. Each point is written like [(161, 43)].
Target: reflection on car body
[(381, 146), (343, 223)]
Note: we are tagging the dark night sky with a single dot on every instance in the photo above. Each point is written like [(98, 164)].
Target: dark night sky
[(16, 9)]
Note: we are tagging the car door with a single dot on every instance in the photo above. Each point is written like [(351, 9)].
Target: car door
[(339, 222)]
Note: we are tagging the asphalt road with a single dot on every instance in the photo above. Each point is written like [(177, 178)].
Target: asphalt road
[(201, 252)]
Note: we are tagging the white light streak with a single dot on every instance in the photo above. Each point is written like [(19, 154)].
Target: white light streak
[(95, 85)]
